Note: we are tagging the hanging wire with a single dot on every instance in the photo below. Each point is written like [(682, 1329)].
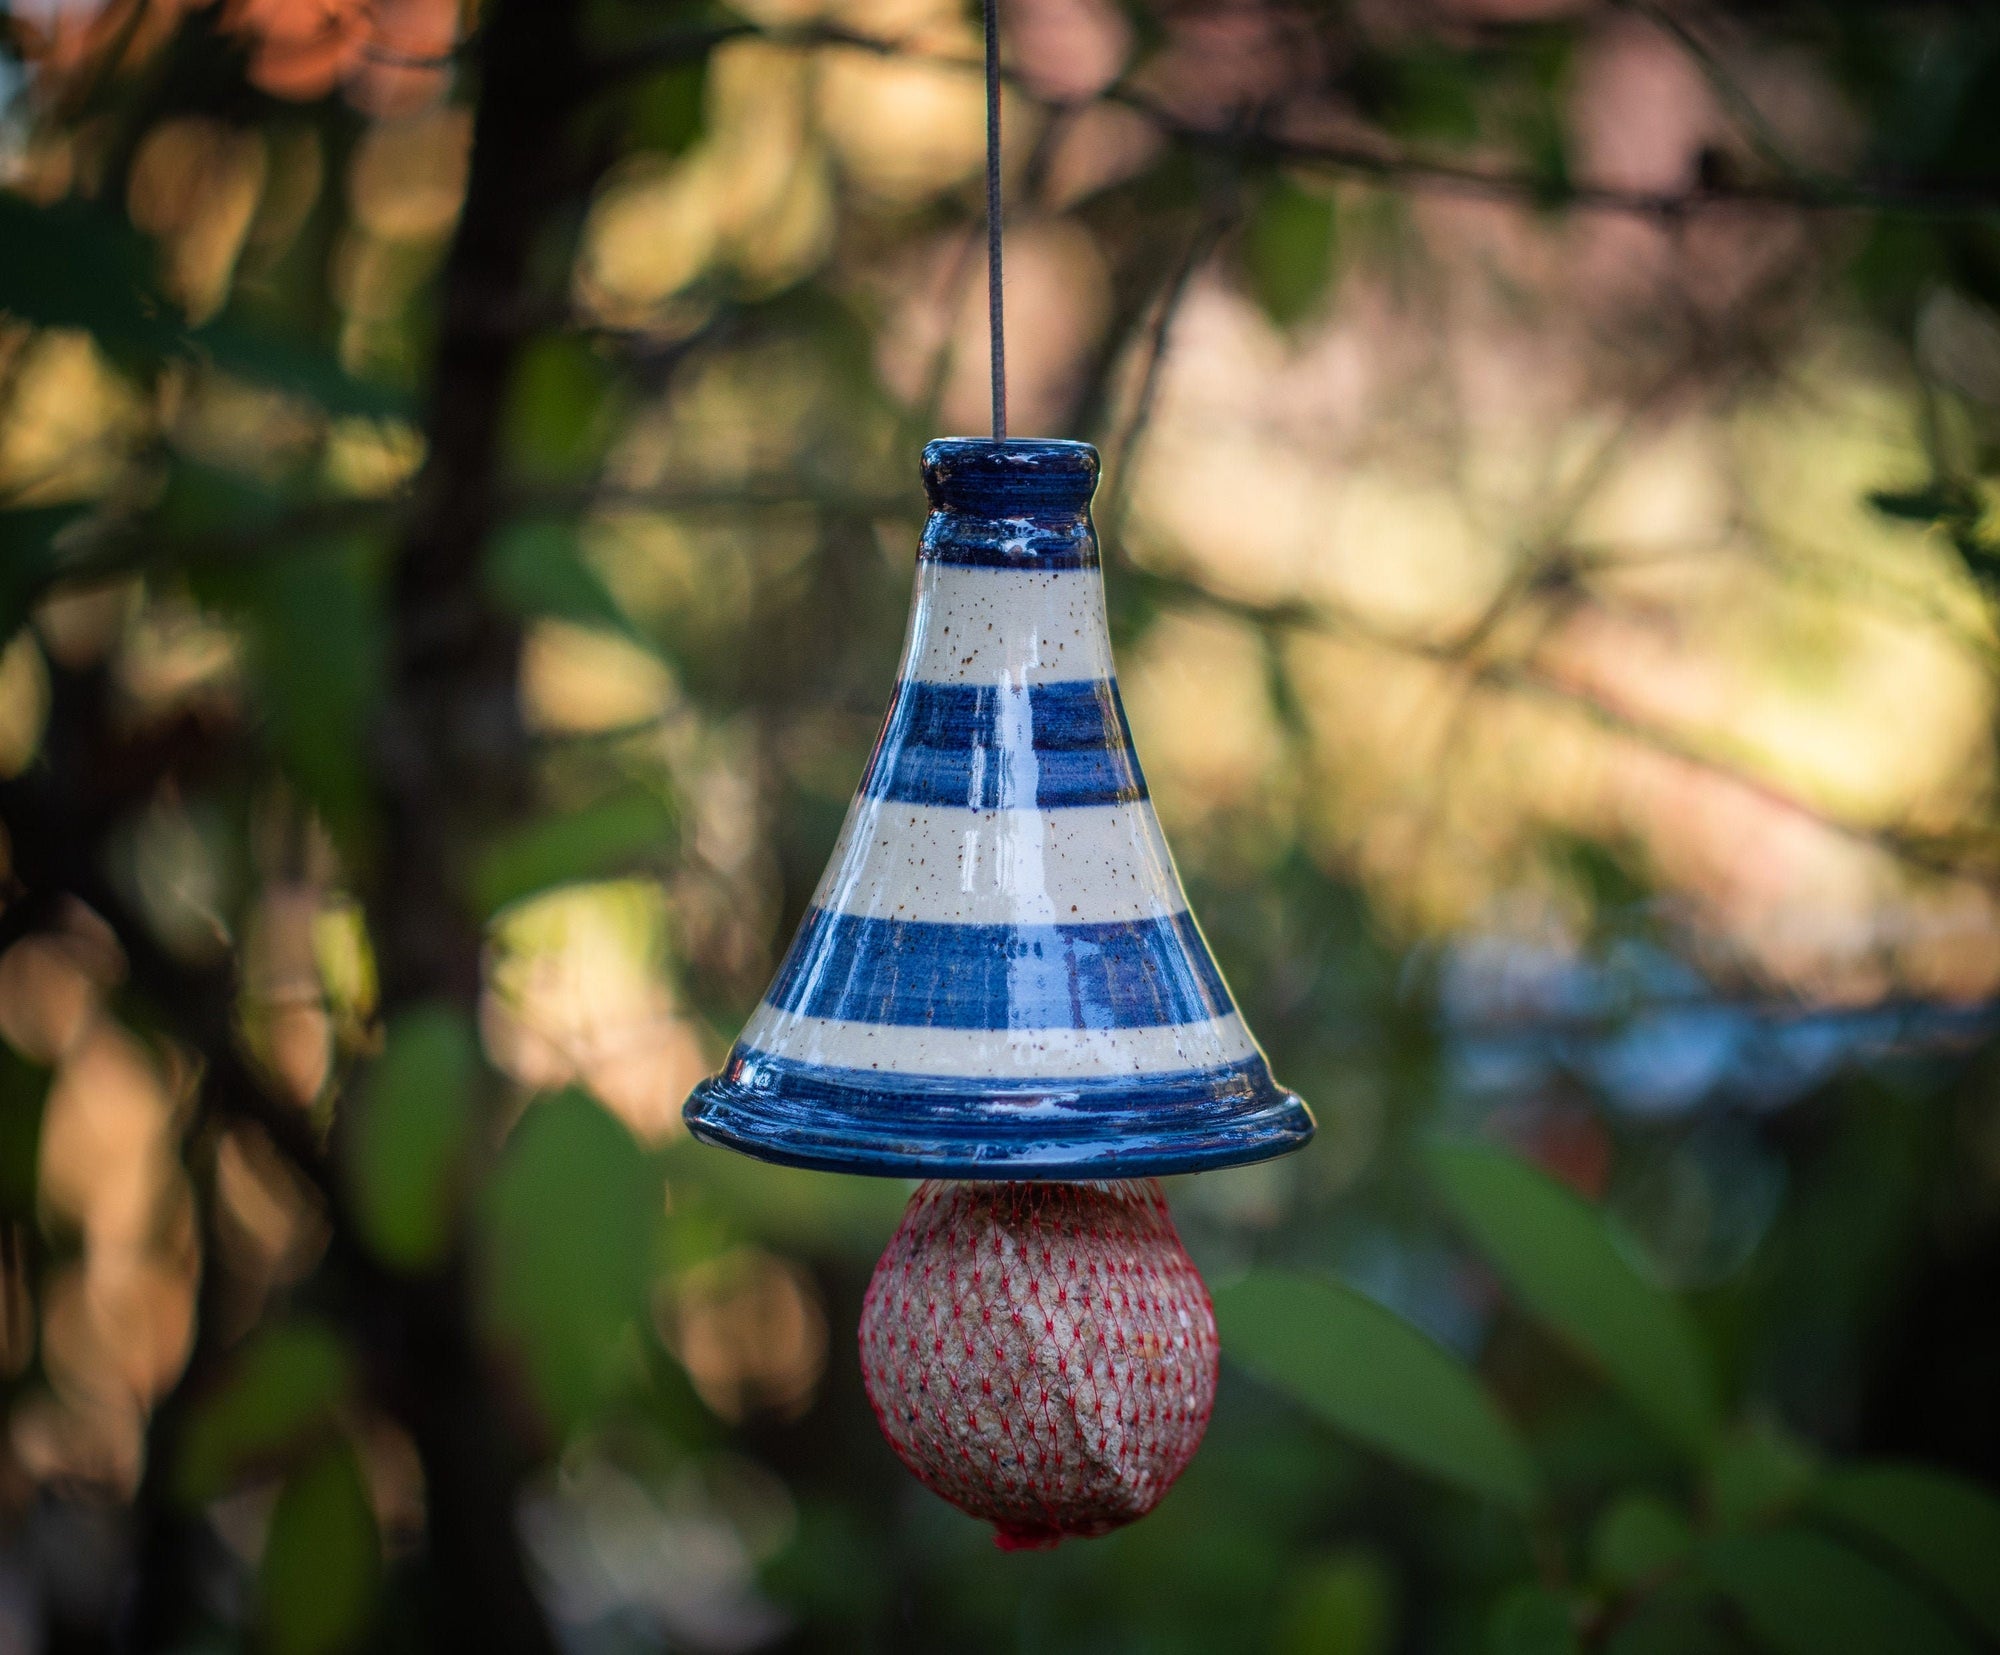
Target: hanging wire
[(993, 287)]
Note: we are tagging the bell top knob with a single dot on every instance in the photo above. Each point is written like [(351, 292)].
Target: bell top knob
[(1014, 505)]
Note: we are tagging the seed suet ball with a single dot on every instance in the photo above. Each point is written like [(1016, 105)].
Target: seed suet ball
[(1043, 1355)]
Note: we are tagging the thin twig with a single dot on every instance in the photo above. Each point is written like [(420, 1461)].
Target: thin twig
[(1118, 497), (1749, 118)]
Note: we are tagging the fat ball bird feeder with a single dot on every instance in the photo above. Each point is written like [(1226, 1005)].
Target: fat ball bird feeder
[(998, 988)]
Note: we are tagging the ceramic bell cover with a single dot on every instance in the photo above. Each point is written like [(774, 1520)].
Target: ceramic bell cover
[(999, 976)]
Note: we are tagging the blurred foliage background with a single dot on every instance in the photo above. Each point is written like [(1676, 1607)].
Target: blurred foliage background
[(457, 504)]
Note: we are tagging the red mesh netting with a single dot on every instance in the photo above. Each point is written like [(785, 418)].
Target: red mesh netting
[(1042, 1355)]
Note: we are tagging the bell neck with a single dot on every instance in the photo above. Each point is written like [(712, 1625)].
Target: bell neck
[(1009, 591)]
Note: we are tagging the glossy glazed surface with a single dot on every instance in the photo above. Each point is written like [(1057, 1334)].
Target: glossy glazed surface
[(1118, 974), (999, 974), (1005, 746)]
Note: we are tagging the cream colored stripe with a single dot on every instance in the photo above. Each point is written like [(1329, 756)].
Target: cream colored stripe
[(1014, 626), (1079, 866), (1001, 1054)]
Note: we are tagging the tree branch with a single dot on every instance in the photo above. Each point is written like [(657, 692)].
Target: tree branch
[(453, 759), (1923, 854), (1380, 161), (1213, 225)]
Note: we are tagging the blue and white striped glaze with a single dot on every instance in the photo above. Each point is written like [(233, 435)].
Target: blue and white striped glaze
[(999, 976)]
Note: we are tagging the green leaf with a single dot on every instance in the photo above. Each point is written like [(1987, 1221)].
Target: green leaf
[(561, 850), (28, 559), (1373, 1376), (569, 1222), (1431, 94), (1531, 1620), (406, 1145), (1288, 250), (1755, 1473), (1561, 1258), (204, 500), (1938, 1526), (1938, 501), (1803, 1594), (283, 1387), (318, 654), (1676, 1617), (300, 368), (75, 264), (1544, 130), (24, 1090), (1342, 1605), (533, 569), (561, 409), (667, 110), (1638, 1537), (322, 1565)]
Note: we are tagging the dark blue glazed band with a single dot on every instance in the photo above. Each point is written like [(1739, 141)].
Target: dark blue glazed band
[(975, 745), (1011, 505), (1020, 543), (1124, 974), (934, 1126), (1027, 477)]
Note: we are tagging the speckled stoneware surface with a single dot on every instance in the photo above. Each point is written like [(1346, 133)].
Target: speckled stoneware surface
[(999, 976)]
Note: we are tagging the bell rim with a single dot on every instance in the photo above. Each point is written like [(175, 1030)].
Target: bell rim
[(1049, 479), (1140, 1126), (1013, 448)]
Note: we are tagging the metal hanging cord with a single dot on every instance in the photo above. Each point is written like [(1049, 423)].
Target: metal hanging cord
[(994, 306)]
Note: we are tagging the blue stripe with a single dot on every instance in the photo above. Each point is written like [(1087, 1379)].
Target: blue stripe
[(1132, 974), (1042, 541), (1028, 477), (930, 1126), (985, 748)]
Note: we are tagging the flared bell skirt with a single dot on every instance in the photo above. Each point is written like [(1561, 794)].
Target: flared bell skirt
[(957, 1126)]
